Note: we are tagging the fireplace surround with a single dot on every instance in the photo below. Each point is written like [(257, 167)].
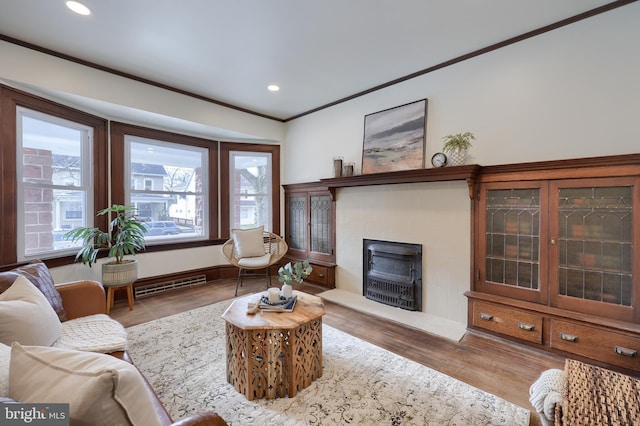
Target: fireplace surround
[(392, 273)]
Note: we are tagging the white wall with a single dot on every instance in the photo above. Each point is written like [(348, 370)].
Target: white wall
[(58, 75), (149, 264), (570, 93)]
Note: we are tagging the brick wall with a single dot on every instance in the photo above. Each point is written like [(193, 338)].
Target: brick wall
[(38, 203)]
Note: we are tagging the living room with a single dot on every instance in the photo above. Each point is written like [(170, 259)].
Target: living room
[(567, 93), (511, 99)]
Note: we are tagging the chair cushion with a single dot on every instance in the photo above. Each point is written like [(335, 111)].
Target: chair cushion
[(248, 242), (255, 262), (39, 275), (26, 316), (100, 389), (93, 333)]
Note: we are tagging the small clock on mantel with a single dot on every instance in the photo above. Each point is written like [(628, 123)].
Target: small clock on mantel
[(439, 159)]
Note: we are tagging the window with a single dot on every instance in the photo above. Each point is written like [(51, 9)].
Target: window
[(250, 186), (54, 182), (180, 204), (250, 189), (173, 177)]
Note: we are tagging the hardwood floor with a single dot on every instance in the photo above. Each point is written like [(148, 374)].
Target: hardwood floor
[(491, 364)]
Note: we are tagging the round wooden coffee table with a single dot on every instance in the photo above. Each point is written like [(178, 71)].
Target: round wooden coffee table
[(274, 354)]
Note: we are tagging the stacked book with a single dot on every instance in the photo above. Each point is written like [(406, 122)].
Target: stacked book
[(283, 305)]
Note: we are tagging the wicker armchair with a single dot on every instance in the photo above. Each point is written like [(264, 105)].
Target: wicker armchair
[(274, 249)]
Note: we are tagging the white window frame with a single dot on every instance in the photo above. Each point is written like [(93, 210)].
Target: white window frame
[(204, 175), (236, 192), (86, 186)]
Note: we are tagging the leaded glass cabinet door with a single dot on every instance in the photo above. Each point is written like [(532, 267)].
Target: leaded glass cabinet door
[(310, 224), (297, 220), (320, 225), (592, 246), (512, 220)]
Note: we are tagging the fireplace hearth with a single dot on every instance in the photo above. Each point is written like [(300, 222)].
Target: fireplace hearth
[(392, 273)]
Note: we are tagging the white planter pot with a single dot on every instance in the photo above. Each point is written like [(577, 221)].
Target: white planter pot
[(457, 157), (117, 275)]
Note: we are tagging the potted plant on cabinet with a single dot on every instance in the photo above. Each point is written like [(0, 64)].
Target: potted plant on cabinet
[(456, 146), (125, 236), (287, 274)]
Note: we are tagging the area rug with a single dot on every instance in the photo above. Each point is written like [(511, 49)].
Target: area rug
[(183, 358)]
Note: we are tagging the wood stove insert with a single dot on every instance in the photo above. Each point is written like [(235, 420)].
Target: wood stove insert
[(392, 273)]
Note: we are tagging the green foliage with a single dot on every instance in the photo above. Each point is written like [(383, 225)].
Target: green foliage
[(298, 272), (124, 236), (461, 141)]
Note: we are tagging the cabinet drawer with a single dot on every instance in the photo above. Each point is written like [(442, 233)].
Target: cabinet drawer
[(322, 275), (506, 320), (592, 342)]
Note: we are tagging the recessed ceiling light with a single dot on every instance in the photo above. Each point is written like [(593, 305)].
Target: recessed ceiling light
[(78, 8), (273, 87)]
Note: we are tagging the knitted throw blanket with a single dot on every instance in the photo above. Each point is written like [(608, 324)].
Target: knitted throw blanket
[(597, 396), (547, 392), (93, 333)]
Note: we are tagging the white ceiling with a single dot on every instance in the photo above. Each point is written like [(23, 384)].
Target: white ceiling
[(318, 52)]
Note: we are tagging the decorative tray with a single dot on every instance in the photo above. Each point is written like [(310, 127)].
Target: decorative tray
[(283, 301), (285, 304)]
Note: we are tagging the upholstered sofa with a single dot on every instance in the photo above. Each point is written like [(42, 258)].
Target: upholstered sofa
[(102, 361)]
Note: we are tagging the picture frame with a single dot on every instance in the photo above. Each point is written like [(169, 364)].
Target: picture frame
[(394, 139)]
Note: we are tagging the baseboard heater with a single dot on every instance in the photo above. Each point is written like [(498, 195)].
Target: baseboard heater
[(155, 288)]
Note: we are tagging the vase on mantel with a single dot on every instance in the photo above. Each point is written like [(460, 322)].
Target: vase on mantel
[(456, 147), (287, 290)]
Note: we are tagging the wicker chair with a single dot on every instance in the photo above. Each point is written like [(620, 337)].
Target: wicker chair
[(274, 248)]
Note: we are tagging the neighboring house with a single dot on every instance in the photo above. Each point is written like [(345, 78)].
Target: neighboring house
[(145, 177), (149, 178)]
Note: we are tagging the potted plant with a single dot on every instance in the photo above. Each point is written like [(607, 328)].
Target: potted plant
[(125, 236), (457, 146), (287, 274)]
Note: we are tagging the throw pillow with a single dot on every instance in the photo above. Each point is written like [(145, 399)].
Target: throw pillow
[(249, 242), (26, 316), (100, 389), (6, 279), (5, 356), (39, 275)]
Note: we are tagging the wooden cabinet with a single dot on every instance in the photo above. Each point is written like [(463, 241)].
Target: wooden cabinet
[(310, 229), (573, 334), (559, 238)]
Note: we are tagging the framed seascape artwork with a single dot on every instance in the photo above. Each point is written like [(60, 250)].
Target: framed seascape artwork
[(394, 139)]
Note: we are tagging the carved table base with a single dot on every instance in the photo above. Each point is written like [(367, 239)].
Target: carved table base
[(274, 361)]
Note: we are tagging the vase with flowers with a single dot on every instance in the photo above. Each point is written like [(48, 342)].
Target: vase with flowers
[(288, 274)]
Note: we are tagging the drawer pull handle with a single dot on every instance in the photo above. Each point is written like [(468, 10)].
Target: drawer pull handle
[(526, 327), (321, 275), (568, 337), (626, 352), (486, 316)]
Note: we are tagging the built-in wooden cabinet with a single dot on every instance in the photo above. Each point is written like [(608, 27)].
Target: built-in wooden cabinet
[(310, 229), (553, 261)]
